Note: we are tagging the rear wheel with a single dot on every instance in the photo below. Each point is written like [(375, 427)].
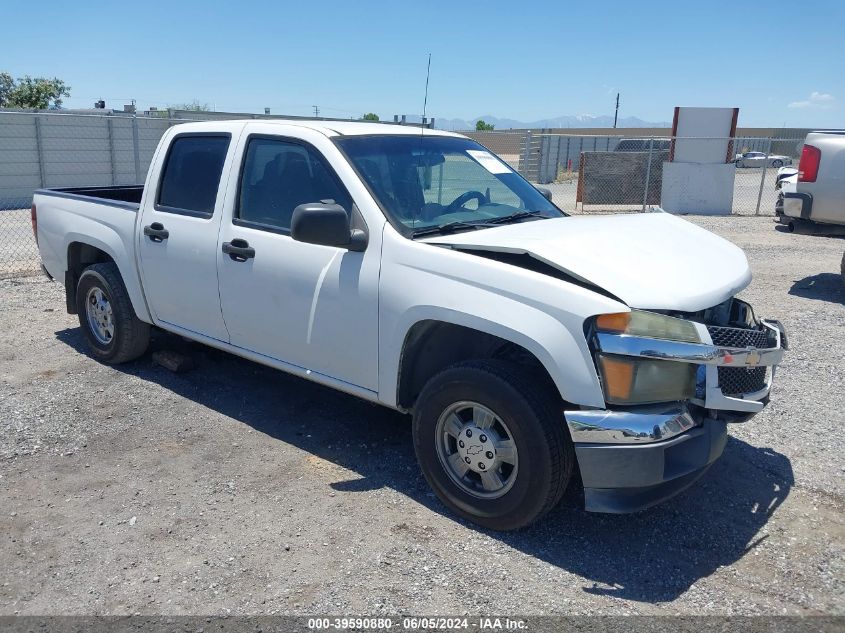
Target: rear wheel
[(777, 163), (113, 332), (492, 443)]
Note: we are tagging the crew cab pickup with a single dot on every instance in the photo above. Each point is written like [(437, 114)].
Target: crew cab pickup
[(416, 270)]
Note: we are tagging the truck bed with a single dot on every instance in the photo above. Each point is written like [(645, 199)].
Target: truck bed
[(104, 217), (123, 196)]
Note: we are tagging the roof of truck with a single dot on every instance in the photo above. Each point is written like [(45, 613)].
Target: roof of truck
[(329, 128)]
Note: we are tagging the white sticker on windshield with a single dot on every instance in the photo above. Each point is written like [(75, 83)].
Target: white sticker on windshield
[(489, 162)]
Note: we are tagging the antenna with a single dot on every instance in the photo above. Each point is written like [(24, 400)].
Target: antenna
[(427, 75), (616, 114)]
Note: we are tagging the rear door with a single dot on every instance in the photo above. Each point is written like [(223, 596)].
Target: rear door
[(178, 236)]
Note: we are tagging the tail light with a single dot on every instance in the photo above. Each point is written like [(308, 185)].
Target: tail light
[(808, 166), (33, 216)]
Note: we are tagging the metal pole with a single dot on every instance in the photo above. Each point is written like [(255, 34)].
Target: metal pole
[(648, 172), (440, 185), (763, 178), (39, 145), (136, 150)]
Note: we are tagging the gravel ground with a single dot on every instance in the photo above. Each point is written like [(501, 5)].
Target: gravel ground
[(237, 489)]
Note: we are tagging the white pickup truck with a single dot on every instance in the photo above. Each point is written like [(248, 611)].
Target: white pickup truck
[(816, 198), (415, 269)]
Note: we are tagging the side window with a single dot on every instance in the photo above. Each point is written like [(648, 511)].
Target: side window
[(191, 174), (278, 176)]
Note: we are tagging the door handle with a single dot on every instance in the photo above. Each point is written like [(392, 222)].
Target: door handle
[(156, 232), (239, 250)]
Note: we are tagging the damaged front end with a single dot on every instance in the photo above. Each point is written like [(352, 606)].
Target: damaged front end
[(671, 381)]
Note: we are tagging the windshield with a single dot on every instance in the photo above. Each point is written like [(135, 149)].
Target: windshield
[(426, 182)]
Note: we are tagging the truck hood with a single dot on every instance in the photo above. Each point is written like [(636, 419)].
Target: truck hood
[(648, 260)]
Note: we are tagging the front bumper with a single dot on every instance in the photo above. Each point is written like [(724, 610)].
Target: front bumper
[(629, 477), (633, 458)]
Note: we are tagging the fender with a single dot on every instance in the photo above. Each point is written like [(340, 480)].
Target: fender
[(540, 334), (108, 240)]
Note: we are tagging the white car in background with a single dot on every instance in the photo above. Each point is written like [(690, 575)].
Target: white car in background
[(758, 159)]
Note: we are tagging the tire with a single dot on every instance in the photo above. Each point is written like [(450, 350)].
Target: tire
[(738, 163), (777, 164), (126, 337), (527, 411)]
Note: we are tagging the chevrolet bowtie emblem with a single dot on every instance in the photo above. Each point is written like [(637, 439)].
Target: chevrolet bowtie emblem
[(753, 357)]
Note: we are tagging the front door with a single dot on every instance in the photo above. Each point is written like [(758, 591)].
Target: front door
[(315, 307), (178, 236)]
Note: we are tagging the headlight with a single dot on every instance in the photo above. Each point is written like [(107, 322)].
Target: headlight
[(630, 381), (650, 324), (644, 381)]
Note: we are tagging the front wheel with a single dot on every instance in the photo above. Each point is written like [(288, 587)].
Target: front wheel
[(777, 163), (113, 331), (492, 443)]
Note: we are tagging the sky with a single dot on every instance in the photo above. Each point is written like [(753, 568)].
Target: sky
[(780, 62)]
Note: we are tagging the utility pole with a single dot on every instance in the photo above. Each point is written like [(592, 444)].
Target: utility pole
[(616, 114), (316, 111)]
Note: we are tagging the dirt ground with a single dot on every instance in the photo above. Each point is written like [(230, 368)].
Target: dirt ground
[(237, 489)]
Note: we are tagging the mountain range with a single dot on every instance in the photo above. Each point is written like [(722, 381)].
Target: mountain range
[(566, 121)]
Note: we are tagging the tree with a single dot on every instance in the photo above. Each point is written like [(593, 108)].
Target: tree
[(28, 92), (370, 116), (6, 86), (193, 106), (482, 126)]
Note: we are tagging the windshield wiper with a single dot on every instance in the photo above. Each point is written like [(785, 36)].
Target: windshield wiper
[(449, 227), (519, 215)]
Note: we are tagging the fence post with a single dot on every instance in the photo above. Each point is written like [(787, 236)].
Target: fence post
[(558, 143), (526, 154), (136, 149), (39, 146), (110, 129), (648, 172), (763, 177), (568, 139)]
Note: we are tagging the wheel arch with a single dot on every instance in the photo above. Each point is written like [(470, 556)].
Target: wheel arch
[(429, 345), (82, 251)]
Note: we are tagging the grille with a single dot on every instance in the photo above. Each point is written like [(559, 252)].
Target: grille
[(734, 381), (738, 337)]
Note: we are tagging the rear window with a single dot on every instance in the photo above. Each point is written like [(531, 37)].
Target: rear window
[(191, 174)]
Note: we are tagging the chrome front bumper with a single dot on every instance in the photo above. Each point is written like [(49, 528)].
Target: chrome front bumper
[(637, 425)]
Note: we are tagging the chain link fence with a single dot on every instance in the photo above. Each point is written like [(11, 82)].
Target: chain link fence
[(586, 173), (605, 174), (64, 150)]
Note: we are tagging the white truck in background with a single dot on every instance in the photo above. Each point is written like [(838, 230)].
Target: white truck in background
[(817, 196), (418, 271)]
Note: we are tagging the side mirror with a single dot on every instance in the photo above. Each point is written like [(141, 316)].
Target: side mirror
[(545, 192), (326, 224)]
